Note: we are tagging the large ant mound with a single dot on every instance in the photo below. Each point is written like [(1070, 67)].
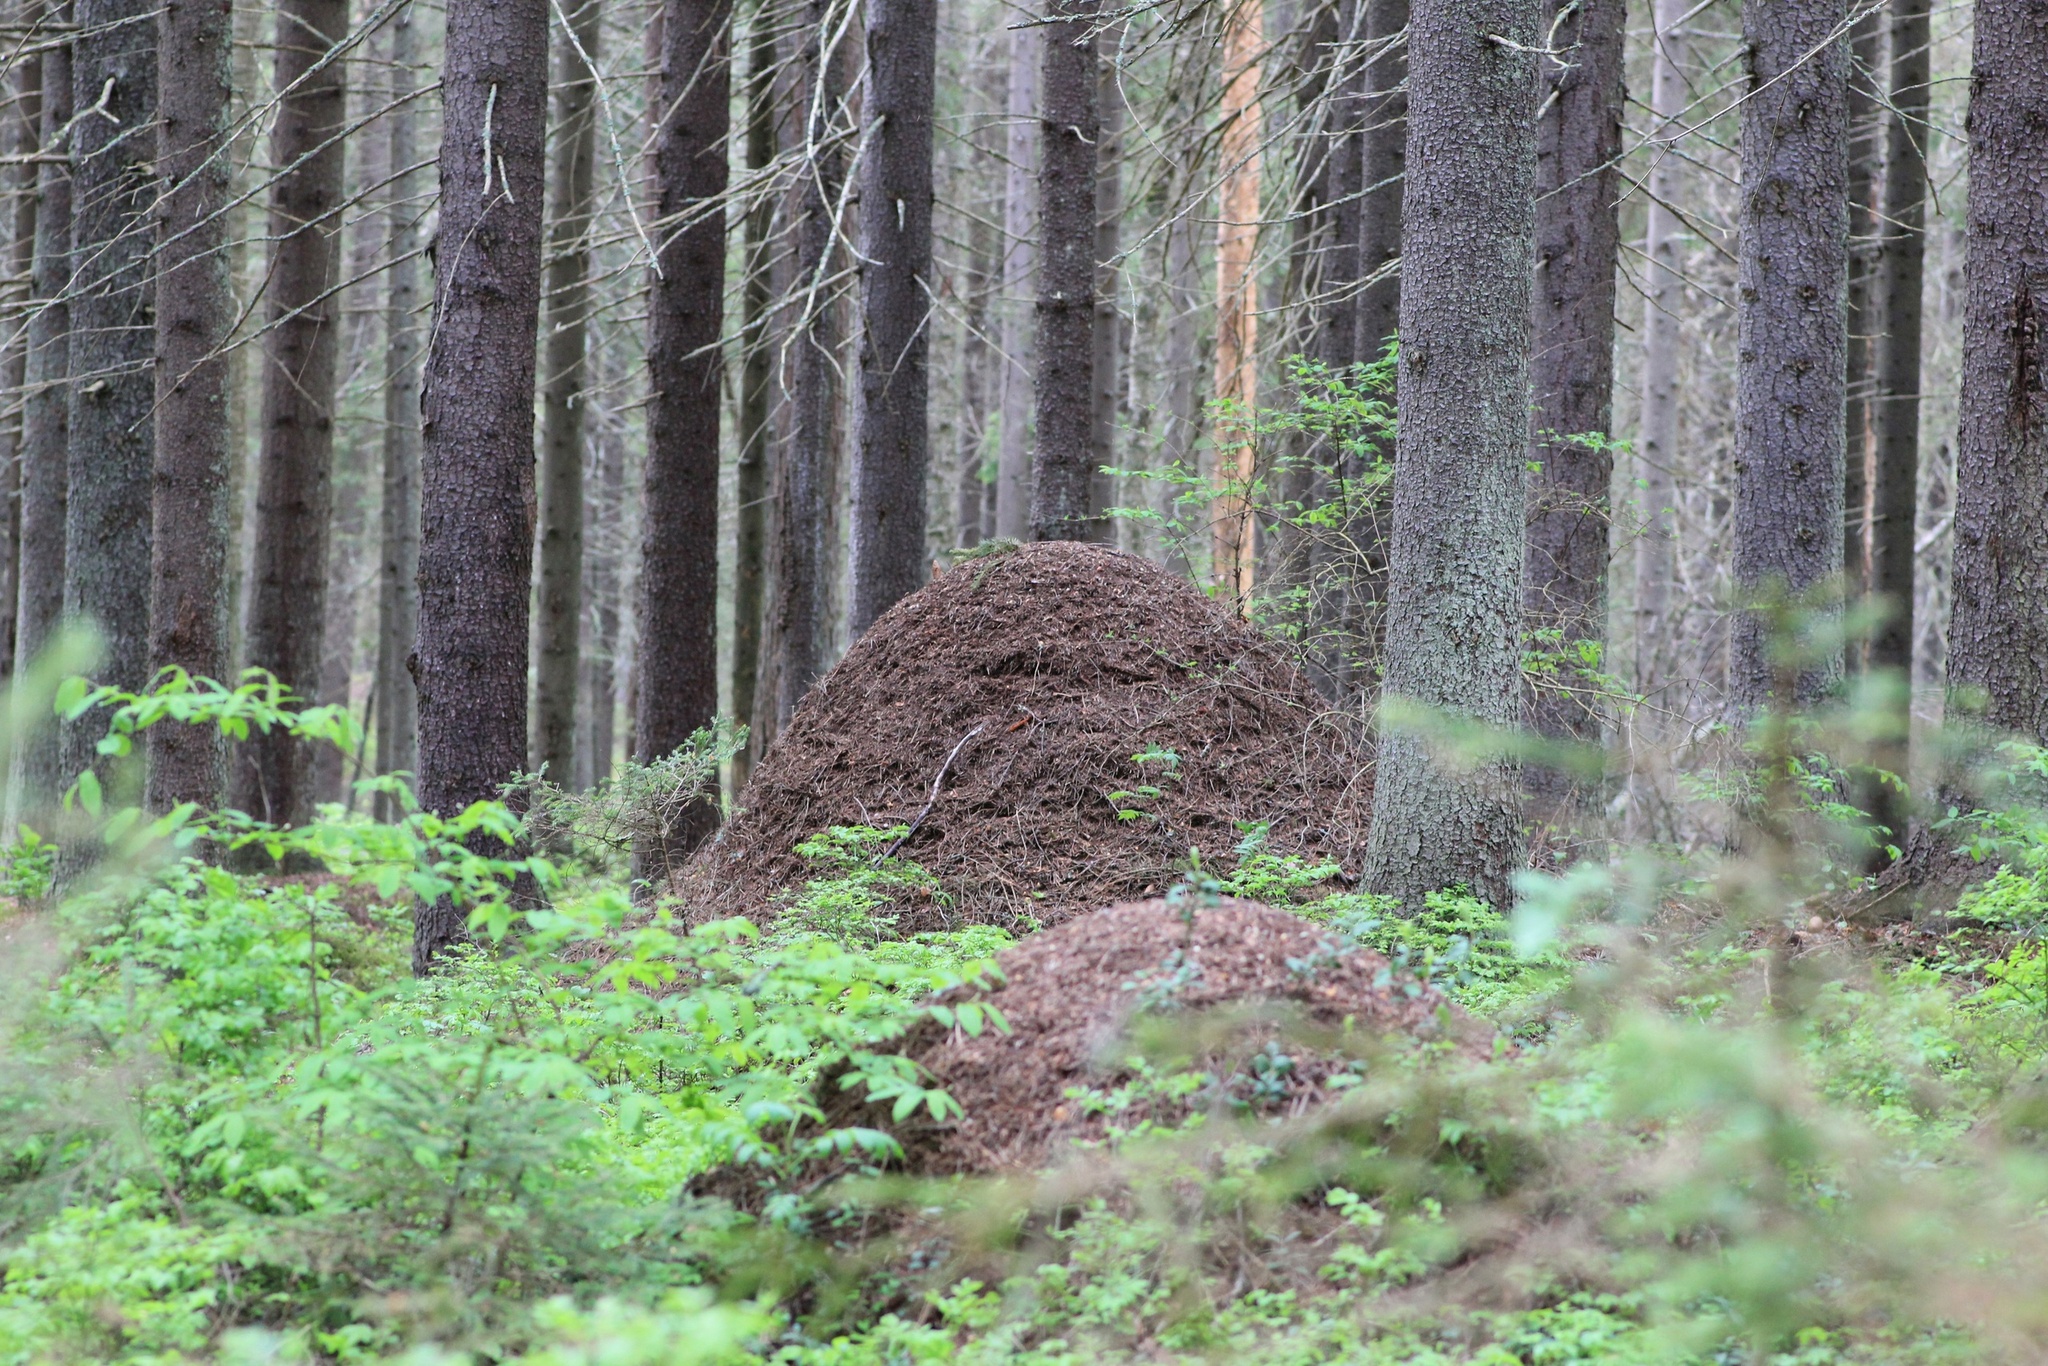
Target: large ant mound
[(1243, 990), (1058, 724)]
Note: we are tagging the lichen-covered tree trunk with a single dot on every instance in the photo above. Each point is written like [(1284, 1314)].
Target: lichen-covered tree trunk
[(1998, 627), (1791, 336), (1070, 127), (195, 311), (891, 447), (113, 340), (286, 614), (476, 491), (559, 615), (1571, 365), (1453, 641), (1020, 267)]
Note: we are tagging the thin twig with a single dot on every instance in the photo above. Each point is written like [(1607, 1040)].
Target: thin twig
[(944, 768)]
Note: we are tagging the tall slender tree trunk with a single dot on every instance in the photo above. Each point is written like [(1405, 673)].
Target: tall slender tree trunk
[(1107, 393), (679, 545), (891, 447), (476, 529), (1571, 365), (195, 311), (113, 339), (23, 141), (983, 278), (804, 514), (1998, 632), (603, 567), (565, 330), (45, 417), (287, 593), (1384, 175), (1020, 267), (398, 570), (757, 386), (1235, 530), (1182, 354), (1865, 321), (1454, 606), (1657, 445), (1339, 186), (1792, 333), (1060, 476)]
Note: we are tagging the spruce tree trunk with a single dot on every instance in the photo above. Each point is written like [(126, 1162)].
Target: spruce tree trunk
[(398, 568), (1866, 320), (679, 543), (757, 380), (195, 311), (1792, 334), (891, 447), (45, 420), (287, 592), (23, 141), (1571, 363), (1071, 128), (476, 529), (1020, 266), (1107, 391), (1339, 185), (1182, 354), (1998, 632), (1383, 176), (983, 276), (113, 340), (1453, 641), (1657, 443), (565, 329), (603, 566)]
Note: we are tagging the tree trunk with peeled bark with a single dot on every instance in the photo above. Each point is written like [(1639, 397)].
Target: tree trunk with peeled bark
[(891, 447), (1020, 267), (1060, 474), (195, 312), (476, 529), (1998, 628), (113, 339), (287, 594), (1453, 640), (1791, 336), (1571, 368)]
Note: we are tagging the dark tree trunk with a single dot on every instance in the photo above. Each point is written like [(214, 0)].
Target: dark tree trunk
[(287, 593), (757, 368), (1865, 321), (891, 448), (398, 570), (1571, 363), (45, 418), (195, 311), (1071, 128), (1790, 358), (113, 338), (24, 138), (1454, 609), (803, 495), (686, 363), (1336, 189), (476, 527), (1998, 630), (1383, 176), (1896, 470)]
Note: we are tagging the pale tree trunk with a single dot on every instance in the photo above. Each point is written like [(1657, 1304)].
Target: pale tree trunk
[(602, 568), (1453, 641), (891, 447), (1865, 321), (476, 527), (45, 421), (399, 558), (1183, 436), (107, 515), (1998, 631), (287, 593), (1060, 475), (22, 141), (1571, 364), (757, 387), (1656, 458), (1235, 542), (1107, 392), (1020, 268), (982, 279), (565, 328), (1791, 340), (195, 311)]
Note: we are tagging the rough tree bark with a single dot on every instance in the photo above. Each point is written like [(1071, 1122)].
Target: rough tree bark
[(1235, 530), (1107, 372), (1020, 266), (686, 365), (1571, 362), (1071, 127), (1998, 632), (891, 448), (565, 329), (1453, 638), (1865, 321), (757, 387), (113, 338), (602, 566), (398, 569), (1383, 176), (286, 612), (476, 532), (1791, 333), (45, 417), (195, 312)]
